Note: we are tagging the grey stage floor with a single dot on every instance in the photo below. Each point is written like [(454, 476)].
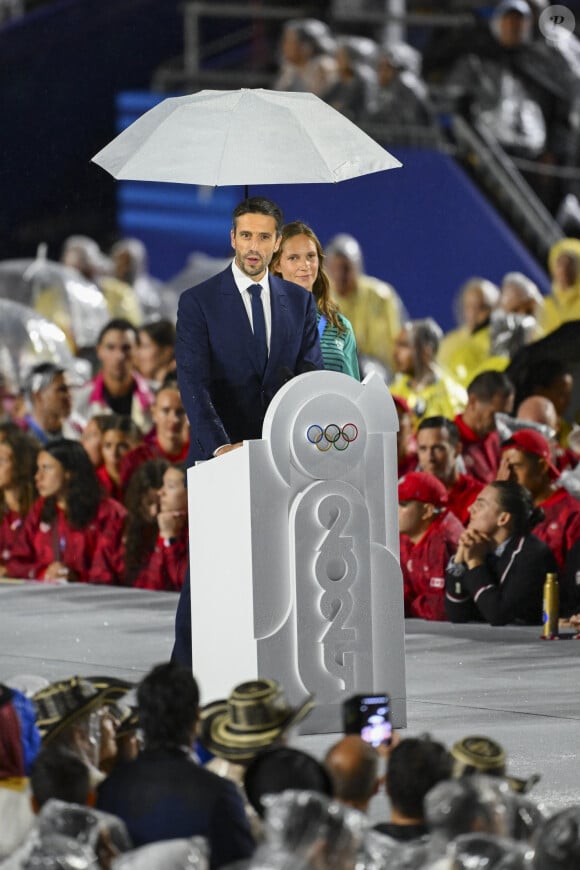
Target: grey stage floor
[(503, 682)]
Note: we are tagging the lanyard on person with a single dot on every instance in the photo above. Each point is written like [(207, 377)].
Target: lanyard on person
[(322, 324)]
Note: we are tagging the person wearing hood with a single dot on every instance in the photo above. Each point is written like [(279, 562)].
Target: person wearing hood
[(563, 304), (464, 350), (519, 91)]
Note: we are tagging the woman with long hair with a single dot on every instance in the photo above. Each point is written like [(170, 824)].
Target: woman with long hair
[(300, 259), (121, 565), (58, 539), (166, 568), (500, 567), (18, 452)]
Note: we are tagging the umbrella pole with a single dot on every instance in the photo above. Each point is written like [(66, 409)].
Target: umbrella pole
[(245, 191)]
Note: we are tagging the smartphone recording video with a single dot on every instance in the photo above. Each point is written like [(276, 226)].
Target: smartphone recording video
[(369, 716)]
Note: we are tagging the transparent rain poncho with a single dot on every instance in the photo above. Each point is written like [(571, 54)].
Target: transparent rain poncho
[(462, 806), (27, 339), (558, 841), (59, 293), (484, 852), (71, 837), (308, 831), (183, 854)]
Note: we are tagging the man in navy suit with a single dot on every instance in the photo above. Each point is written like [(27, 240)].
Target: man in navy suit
[(240, 336)]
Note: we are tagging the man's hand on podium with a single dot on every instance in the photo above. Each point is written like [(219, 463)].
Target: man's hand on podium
[(227, 447)]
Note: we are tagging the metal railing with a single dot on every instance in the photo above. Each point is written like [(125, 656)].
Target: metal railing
[(500, 177), (189, 73)]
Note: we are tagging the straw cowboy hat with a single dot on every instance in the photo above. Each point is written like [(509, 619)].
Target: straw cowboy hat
[(254, 716), (63, 703), (477, 754)]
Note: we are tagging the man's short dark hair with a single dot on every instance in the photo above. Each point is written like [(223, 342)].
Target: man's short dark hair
[(441, 423), (59, 773), (489, 384), (415, 766), (120, 324), (259, 205), (168, 701)]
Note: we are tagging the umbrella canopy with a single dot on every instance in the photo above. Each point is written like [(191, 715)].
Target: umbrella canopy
[(249, 136)]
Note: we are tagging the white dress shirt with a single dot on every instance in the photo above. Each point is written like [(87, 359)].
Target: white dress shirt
[(242, 283)]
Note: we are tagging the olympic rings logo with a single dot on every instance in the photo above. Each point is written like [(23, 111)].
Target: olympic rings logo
[(332, 436)]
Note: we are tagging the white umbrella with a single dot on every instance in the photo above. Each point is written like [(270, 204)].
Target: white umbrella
[(249, 136)]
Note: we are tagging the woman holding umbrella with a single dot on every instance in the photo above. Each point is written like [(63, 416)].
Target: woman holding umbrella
[(300, 259)]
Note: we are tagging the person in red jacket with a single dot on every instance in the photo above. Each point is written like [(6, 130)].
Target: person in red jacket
[(438, 449), (121, 565), (18, 452), (429, 534), (407, 459), (166, 568), (489, 393), (58, 539), (120, 435), (169, 438), (527, 460)]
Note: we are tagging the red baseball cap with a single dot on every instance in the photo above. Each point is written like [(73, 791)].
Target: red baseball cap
[(532, 441), (421, 486), (401, 403)]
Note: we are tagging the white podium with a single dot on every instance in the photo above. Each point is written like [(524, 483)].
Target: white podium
[(294, 552)]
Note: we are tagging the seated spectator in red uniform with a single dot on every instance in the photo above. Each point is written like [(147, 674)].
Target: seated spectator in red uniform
[(489, 393), (439, 450), (527, 460), (406, 444), (428, 538), (165, 570), (58, 538), (92, 438), (539, 409), (499, 570), (18, 454), (169, 438), (553, 379), (120, 435), (121, 564)]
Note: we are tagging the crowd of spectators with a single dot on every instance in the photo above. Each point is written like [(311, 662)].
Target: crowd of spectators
[(103, 773), (92, 475), (506, 75), (93, 490)]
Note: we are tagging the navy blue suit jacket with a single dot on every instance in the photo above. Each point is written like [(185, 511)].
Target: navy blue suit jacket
[(224, 393), (164, 795)]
